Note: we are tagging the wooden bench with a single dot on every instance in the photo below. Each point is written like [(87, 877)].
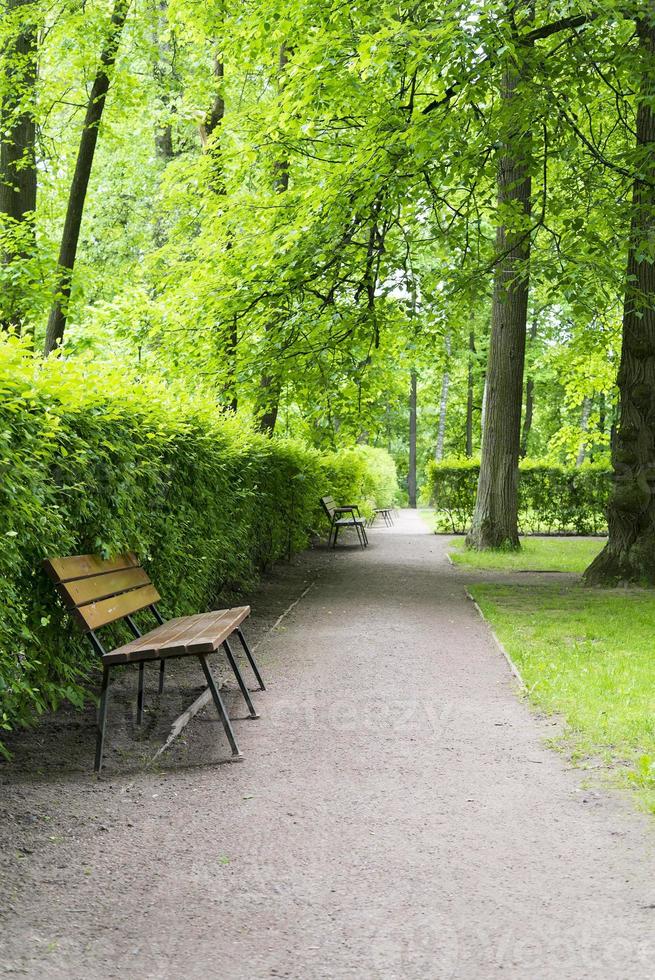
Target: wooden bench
[(386, 513), (337, 520), (99, 592)]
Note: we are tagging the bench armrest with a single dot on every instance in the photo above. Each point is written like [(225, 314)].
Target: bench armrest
[(347, 509)]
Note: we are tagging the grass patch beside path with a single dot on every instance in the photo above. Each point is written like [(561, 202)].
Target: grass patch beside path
[(589, 656), (536, 554)]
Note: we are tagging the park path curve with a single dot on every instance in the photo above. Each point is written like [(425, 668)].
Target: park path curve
[(397, 815)]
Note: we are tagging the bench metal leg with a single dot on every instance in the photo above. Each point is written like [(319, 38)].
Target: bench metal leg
[(240, 681), (336, 535), (162, 670), (102, 718), (251, 659), (139, 697), (360, 534), (220, 707)]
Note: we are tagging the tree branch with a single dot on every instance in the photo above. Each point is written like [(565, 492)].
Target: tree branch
[(547, 30)]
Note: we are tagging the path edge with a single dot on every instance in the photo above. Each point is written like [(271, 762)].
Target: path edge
[(516, 673)]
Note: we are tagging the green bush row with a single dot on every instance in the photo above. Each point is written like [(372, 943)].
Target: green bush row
[(363, 475), (552, 498), (90, 462)]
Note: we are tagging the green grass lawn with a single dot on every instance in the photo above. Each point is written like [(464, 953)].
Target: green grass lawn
[(589, 656), (536, 554)]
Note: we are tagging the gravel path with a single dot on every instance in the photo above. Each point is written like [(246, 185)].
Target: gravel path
[(397, 815)]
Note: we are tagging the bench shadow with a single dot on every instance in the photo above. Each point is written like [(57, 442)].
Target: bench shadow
[(60, 746)]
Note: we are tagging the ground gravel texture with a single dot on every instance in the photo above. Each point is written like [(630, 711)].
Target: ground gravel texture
[(397, 813)]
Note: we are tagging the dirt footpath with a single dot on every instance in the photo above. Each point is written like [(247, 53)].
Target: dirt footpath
[(397, 814)]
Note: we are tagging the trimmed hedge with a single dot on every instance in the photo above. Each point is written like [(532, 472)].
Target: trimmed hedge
[(552, 498), (91, 462), (364, 475)]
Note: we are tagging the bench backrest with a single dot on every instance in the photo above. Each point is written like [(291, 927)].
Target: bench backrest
[(99, 591), (328, 506)]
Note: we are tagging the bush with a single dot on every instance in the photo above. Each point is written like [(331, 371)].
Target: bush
[(93, 463), (362, 475), (552, 498)]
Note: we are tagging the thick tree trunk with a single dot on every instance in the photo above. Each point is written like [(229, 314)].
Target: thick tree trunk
[(77, 196), (529, 398), (411, 473), (495, 519), (443, 406), (469, 396), (629, 555), (18, 181), (270, 386)]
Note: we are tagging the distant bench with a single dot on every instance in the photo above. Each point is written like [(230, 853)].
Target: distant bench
[(338, 520), (386, 513), (99, 592)]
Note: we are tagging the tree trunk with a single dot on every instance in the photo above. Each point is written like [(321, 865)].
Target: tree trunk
[(584, 425), (495, 519), (529, 397), (469, 397), (411, 473), (270, 386), (211, 127), (77, 196), (443, 405), (18, 181), (629, 555), (163, 73), (483, 409), (231, 354)]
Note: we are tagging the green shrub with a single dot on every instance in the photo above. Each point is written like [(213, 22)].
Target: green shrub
[(363, 475), (90, 462), (451, 487), (552, 498)]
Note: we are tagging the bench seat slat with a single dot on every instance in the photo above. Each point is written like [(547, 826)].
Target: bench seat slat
[(204, 634), (171, 630), (207, 634), (172, 627), (197, 635)]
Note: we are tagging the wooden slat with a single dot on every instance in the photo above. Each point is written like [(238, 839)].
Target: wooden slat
[(84, 566), (166, 631), (185, 633), (205, 636), (328, 506), (83, 590), (189, 635), (98, 614), (209, 635), (155, 647)]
